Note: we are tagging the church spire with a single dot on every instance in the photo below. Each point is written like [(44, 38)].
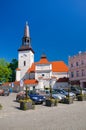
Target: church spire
[(26, 41), (26, 37), (26, 31)]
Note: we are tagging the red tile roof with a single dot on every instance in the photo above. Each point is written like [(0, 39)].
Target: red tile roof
[(32, 81), (32, 69), (18, 69), (43, 60), (59, 66)]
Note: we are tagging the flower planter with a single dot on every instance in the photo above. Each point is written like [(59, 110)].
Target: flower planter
[(0, 106), (81, 97), (26, 105), (68, 100), (51, 102)]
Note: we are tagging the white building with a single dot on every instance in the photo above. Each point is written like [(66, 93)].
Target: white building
[(77, 69), (37, 74)]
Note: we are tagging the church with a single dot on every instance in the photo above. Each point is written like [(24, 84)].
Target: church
[(41, 74)]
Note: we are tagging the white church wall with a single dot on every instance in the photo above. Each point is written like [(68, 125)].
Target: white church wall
[(42, 74), (25, 56), (60, 74), (18, 75), (43, 67)]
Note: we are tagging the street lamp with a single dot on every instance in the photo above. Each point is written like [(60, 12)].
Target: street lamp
[(50, 88)]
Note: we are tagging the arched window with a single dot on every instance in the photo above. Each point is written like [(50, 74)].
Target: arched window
[(24, 63)]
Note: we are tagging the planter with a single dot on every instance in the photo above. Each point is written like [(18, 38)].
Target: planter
[(81, 97), (51, 102), (0, 106), (27, 104), (68, 100)]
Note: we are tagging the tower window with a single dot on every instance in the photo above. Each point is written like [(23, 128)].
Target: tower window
[(24, 63)]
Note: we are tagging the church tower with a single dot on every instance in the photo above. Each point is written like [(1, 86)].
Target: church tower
[(25, 55)]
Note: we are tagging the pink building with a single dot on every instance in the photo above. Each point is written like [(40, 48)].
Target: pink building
[(77, 69)]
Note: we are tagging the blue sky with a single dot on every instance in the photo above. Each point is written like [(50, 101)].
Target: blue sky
[(57, 27)]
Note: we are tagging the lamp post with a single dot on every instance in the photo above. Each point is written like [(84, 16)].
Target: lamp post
[(50, 89), (68, 88)]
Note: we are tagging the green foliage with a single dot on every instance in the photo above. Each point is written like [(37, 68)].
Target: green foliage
[(13, 65), (0, 106), (5, 71), (51, 102), (27, 104)]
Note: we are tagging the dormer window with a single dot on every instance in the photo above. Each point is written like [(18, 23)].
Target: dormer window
[(24, 63)]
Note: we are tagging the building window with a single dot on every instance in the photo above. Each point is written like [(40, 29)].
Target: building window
[(72, 74), (71, 65), (82, 62), (77, 73), (83, 73), (24, 63), (77, 64)]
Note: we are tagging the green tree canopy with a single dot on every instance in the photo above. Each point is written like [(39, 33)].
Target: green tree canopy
[(13, 65), (5, 71)]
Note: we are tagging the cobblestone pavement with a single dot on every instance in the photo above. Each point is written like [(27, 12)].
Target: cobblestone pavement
[(61, 117)]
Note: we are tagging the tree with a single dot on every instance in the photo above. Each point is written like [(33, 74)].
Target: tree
[(5, 71), (13, 65)]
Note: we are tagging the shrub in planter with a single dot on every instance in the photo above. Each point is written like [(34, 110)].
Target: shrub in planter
[(27, 104), (51, 102), (68, 100), (0, 106), (81, 97)]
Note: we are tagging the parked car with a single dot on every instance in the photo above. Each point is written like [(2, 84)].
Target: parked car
[(77, 90), (34, 96), (62, 91), (4, 92), (1, 92), (20, 95), (55, 95)]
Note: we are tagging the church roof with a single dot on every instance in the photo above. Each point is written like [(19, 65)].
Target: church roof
[(24, 48), (57, 66), (43, 60)]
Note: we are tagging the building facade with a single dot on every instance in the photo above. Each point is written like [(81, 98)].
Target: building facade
[(77, 69), (43, 72)]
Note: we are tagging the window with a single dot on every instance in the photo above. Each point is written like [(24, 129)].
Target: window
[(72, 74), (71, 65), (77, 64), (77, 73), (82, 62), (24, 63), (83, 73)]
